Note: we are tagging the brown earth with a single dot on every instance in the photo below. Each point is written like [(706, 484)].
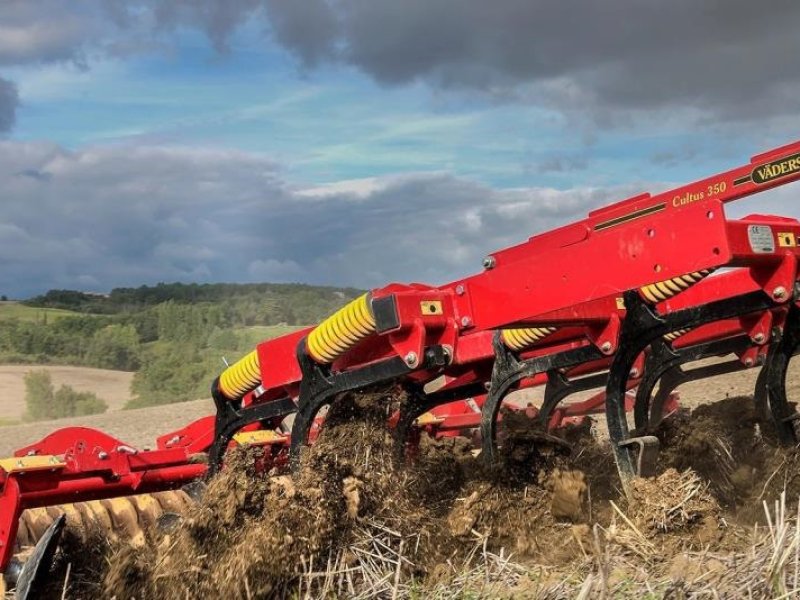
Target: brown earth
[(138, 427), (112, 386), (356, 522), (546, 523)]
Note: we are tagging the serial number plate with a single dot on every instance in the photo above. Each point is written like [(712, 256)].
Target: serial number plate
[(761, 239)]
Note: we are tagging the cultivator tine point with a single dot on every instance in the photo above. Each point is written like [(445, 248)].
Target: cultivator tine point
[(646, 451)]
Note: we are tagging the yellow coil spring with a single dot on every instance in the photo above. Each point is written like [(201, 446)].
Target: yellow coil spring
[(662, 290), (241, 377), (341, 331), (519, 339), (674, 335)]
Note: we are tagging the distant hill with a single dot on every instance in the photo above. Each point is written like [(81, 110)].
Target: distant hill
[(17, 310), (128, 299), (175, 337)]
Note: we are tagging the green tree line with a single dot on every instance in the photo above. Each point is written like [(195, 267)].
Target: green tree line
[(174, 336)]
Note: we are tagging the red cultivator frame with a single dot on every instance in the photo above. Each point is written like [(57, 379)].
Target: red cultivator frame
[(621, 300)]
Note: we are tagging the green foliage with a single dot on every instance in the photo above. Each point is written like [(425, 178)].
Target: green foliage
[(114, 347), (176, 371), (71, 403), (43, 401), (223, 339), (188, 323), (15, 310), (173, 335), (68, 300), (173, 372), (242, 304), (39, 395)]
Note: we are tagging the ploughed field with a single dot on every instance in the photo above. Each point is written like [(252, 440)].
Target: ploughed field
[(138, 427), (719, 520), (112, 386)]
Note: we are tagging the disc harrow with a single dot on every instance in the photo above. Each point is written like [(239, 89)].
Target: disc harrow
[(630, 301)]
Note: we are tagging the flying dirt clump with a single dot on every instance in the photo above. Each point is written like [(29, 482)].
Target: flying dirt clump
[(253, 535), (569, 498), (261, 536), (527, 502), (258, 536)]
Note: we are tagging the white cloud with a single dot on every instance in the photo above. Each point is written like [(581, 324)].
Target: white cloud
[(117, 216)]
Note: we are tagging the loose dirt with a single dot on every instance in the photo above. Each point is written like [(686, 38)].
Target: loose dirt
[(545, 523)]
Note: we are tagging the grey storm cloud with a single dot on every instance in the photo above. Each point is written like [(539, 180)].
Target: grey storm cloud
[(733, 56), (727, 59), (9, 99), (109, 216)]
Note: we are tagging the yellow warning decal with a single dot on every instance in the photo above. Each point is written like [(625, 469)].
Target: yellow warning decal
[(31, 463), (620, 303), (260, 436), (787, 239), (428, 418), (431, 307)]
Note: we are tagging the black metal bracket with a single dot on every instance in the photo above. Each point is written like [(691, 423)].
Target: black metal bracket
[(559, 386), (415, 405), (785, 418), (319, 386), (663, 368), (641, 327), (508, 370), (232, 417)]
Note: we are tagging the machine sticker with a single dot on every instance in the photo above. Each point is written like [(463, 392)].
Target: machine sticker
[(787, 239), (630, 216), (431, 307), (760, 238), (776, 169), (620, 303)]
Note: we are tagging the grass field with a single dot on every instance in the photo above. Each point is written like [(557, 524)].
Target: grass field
[(15, 310), (251, 336)]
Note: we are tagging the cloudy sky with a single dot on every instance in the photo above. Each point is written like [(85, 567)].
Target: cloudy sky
[(357, 142)]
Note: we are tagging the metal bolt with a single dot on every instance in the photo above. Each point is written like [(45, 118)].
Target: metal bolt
[(465, 321), (460, 289), (102, 455), (448, 353), (411, 359), (606, 347), (779, 292), (758, 338), (488, 385), (634, 373), (489, 262), (748, 362)]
